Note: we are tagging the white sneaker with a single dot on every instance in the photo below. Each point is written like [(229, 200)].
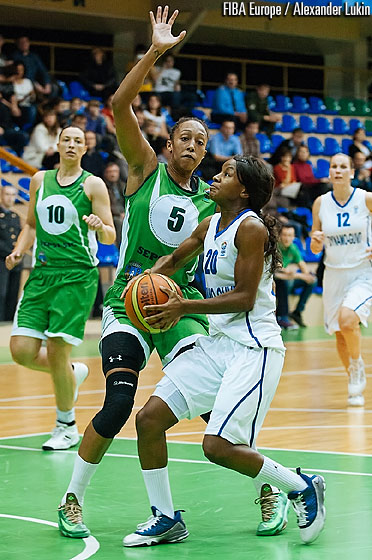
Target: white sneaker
[(81, 372), (357, 378), (357, 400), (63, 437)]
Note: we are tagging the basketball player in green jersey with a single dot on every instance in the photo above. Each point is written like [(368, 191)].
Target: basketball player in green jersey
[(67, 208), (163, 206)]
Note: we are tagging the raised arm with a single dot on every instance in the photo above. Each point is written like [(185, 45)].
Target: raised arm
[(27, 236), (140, 156)]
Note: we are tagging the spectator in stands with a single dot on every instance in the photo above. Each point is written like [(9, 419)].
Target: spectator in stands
[(148, 83), (80, 120), (224, 144), (9, 134), (4, 61), (116, 189), (362, 176), (92, 160), (258, 109), (361, 144), (99, 76), (43, 141), (10, 227), (62, 107), (248, 140), (292, 276), (167, 82), (305, 174), (25, 96), (228, 102), (284, 171), (164, 154), (108, 115), (154, 115), (95, 121), (292, 144), (77, 106), (35, 69)]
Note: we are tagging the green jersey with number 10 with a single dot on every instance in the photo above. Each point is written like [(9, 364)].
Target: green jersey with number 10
[(158, 217), (62, 237)]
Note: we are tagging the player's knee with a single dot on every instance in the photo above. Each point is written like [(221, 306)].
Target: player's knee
[(214, 449), (121, 388), (348, 320), (146, 424), (21, 354)]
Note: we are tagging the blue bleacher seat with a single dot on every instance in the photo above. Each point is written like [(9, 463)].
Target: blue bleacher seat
[(282, 104), (316, 105), (288, 123), (276, 139), (299, 104), (345, 145), (323, 125), (315, 146), (66, 95), (299, 246), (331, 147), (5, 167), (24, 183), (306, 212), (199, 113), (309, 256), (265, 144), (306, 123), (322, 168), (208, 99), (108, 255), (354, 124), (340, 126), (78, 90), (270, 102)]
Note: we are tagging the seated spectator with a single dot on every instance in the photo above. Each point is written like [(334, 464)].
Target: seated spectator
[(108, 114), (163, 154), (150, 131), (305, 174), (116, 189), (92, 160), (137, 104), (248, 140), (43, 140), (62, 107), (4, 60), (258, 109), (221, 147), (99, 76), (148, 82), (154, 114), (292, 144), (167, 82), (25, 95), (362, 176), (289, 278), (284, 171), (80, 120), (361, 144), (95, 121), (228, 102), (34, 67), (77, 106), (9, 134), (114, 155)]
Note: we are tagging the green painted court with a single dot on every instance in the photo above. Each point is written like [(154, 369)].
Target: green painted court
[(220, 512)]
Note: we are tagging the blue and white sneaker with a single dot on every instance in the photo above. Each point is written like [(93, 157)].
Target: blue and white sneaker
[(309, 507), (159, 528)]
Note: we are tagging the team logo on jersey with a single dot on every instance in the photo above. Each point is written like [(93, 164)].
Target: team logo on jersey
[(42, 258), (132, 269), (223, 249), (355, 209)]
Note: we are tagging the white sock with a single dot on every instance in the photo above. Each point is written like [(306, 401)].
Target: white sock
[(80, 479), (158, 490), (275, 474), (356, 361), (66, 417), (258, 485)]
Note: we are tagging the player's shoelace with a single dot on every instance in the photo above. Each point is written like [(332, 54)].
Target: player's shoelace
[(73, 512), (299, 505), (267, 504)]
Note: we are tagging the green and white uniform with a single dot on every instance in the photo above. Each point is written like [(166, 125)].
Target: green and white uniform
[(158, 217), (62, 286)]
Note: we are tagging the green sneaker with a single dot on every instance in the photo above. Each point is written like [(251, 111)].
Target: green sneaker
[(274, 509), (70, 519)]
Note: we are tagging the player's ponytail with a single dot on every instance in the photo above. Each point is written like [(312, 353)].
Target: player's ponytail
[(258, 181)]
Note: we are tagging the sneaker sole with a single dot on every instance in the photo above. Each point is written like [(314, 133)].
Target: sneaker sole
[(152, 541), (49, 448), (64, 533)]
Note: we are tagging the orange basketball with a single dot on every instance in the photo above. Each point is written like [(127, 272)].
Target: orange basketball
[(145, 290)]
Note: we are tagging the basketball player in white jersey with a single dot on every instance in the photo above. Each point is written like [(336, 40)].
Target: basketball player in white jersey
[(342, 225), (235, 370)]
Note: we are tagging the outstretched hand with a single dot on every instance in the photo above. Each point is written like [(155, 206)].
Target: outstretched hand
[(165, 315), (162, 38)]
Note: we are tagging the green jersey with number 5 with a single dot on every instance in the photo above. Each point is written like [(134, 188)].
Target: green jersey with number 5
[(158, 217), (62, 237)]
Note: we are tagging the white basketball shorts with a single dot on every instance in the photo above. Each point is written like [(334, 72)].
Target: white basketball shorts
[(237, 383)]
